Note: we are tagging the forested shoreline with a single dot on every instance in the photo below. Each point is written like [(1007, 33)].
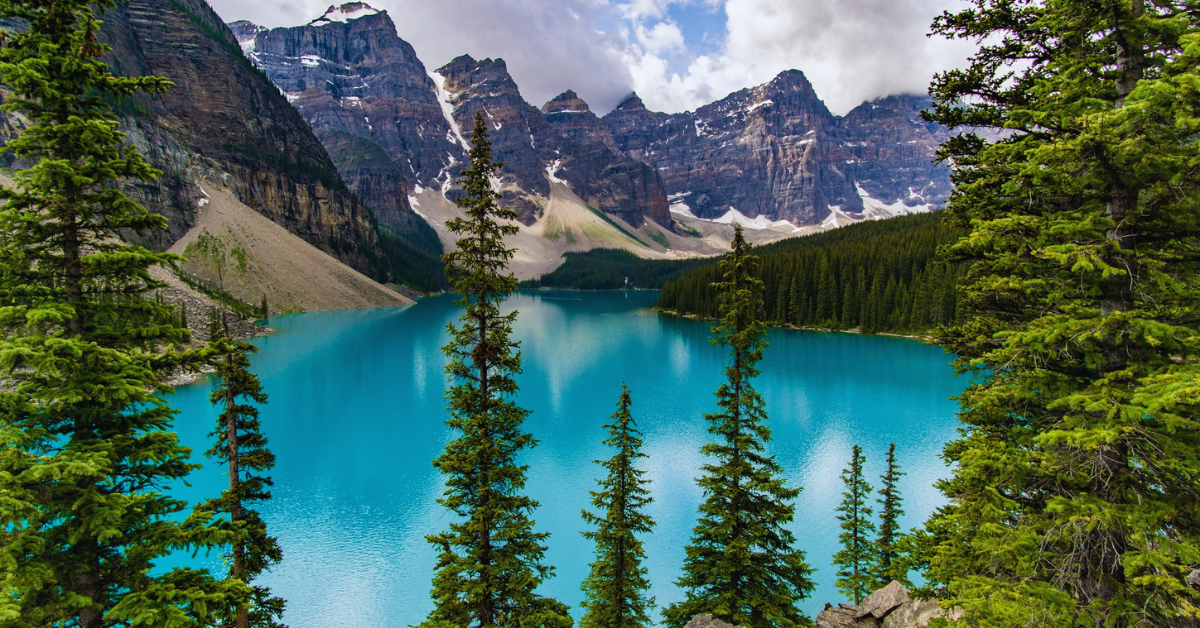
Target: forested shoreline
[(877, 277)]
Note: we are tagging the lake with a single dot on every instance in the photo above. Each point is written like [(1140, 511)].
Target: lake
[(356, 417)]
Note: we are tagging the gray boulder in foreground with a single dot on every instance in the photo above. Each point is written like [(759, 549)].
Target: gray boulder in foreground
[(889, 607), (707, 621)]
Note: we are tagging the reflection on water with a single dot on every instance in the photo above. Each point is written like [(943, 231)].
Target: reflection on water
[(356, 413)]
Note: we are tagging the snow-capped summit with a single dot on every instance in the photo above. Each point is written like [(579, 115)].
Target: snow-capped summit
[(345, 13)]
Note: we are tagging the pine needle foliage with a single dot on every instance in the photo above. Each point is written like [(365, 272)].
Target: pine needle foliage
[(616, 586), (1076, 487), (86, 447), (240, 444), (742, 566), (489, 562), (856, 559), (888, 563)]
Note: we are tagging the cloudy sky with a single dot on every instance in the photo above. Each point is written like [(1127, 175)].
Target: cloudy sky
[(676, 54)]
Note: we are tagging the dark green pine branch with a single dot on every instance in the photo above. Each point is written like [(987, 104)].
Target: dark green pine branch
[(888, 553), (86, 442), (742, 566), (240, 443), (617, 583), (856, 559), (490, 560), (1076, 478)]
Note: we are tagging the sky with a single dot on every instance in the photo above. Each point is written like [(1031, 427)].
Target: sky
[(676, 54)]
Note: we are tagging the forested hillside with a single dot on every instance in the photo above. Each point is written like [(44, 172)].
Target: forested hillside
[(615, 269), (880, 276)]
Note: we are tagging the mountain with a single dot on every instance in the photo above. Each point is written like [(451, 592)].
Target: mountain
[(224, 122), (378, 109), (776, 151)]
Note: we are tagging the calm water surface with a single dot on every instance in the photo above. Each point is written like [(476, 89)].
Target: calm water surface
[(356, 416)]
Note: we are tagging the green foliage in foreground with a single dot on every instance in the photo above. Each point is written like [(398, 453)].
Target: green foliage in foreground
[(1075, 498), (856, 559), (880, 276), (616, 585), (86, 447), (608, 269), (240, 443), (742, 566), (489, 560), (889, 563), (415, 257)]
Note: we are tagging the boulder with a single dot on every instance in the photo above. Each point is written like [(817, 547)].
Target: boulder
[(914, 614), (843, 616), (707, 621), (881, 602), (889, 607)]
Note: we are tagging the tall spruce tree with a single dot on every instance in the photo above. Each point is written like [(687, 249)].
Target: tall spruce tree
[(490, 560), (242, 446), (1076, 481), (86, 450), (616, 586), (856, 559), (742, 566), (888, 567)]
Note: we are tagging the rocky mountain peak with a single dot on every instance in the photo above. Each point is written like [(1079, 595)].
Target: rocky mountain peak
[(345, 13), (632, 104), (566, 102), (465, 73)]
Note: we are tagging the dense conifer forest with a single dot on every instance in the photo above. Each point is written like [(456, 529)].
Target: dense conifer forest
[(879, 276), (615, 269)]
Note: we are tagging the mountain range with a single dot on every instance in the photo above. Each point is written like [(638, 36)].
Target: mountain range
[(337, 131)]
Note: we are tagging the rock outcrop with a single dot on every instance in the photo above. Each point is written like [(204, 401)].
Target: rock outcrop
[(775, 150), (224, 122), (349, 74), (889, 607), (707, 621)]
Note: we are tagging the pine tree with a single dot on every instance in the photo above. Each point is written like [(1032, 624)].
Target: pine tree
[(1077, 476), (617, 583), (741, 566), (86, 448), (489, 563), (856, 558), (887, 550), (241, 445)]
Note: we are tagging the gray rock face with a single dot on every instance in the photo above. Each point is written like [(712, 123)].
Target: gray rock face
[(889, 607), (350, 75), (223, 122), (368, 98), (881, 602), (707, 621), (555, 142), (776, 150)]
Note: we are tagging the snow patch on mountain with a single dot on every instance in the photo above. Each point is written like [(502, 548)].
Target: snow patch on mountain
[(875, 209), (735, 217), (439, 82), (345, 13), (552, 171)]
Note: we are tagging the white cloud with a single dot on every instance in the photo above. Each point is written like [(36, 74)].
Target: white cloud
[(851, 50)]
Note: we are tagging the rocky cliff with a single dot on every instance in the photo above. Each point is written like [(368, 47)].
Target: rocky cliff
[(889, 607), (350, 75), (776, 151), (225, 122)]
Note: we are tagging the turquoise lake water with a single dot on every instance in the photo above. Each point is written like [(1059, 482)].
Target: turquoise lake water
[(356, 417)]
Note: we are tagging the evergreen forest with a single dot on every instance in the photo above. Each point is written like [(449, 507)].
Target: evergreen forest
[(882, 276), (1063, 278)]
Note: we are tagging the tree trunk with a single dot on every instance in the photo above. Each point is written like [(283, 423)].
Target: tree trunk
[(88, 584), (235, 505), (1123, 196)]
